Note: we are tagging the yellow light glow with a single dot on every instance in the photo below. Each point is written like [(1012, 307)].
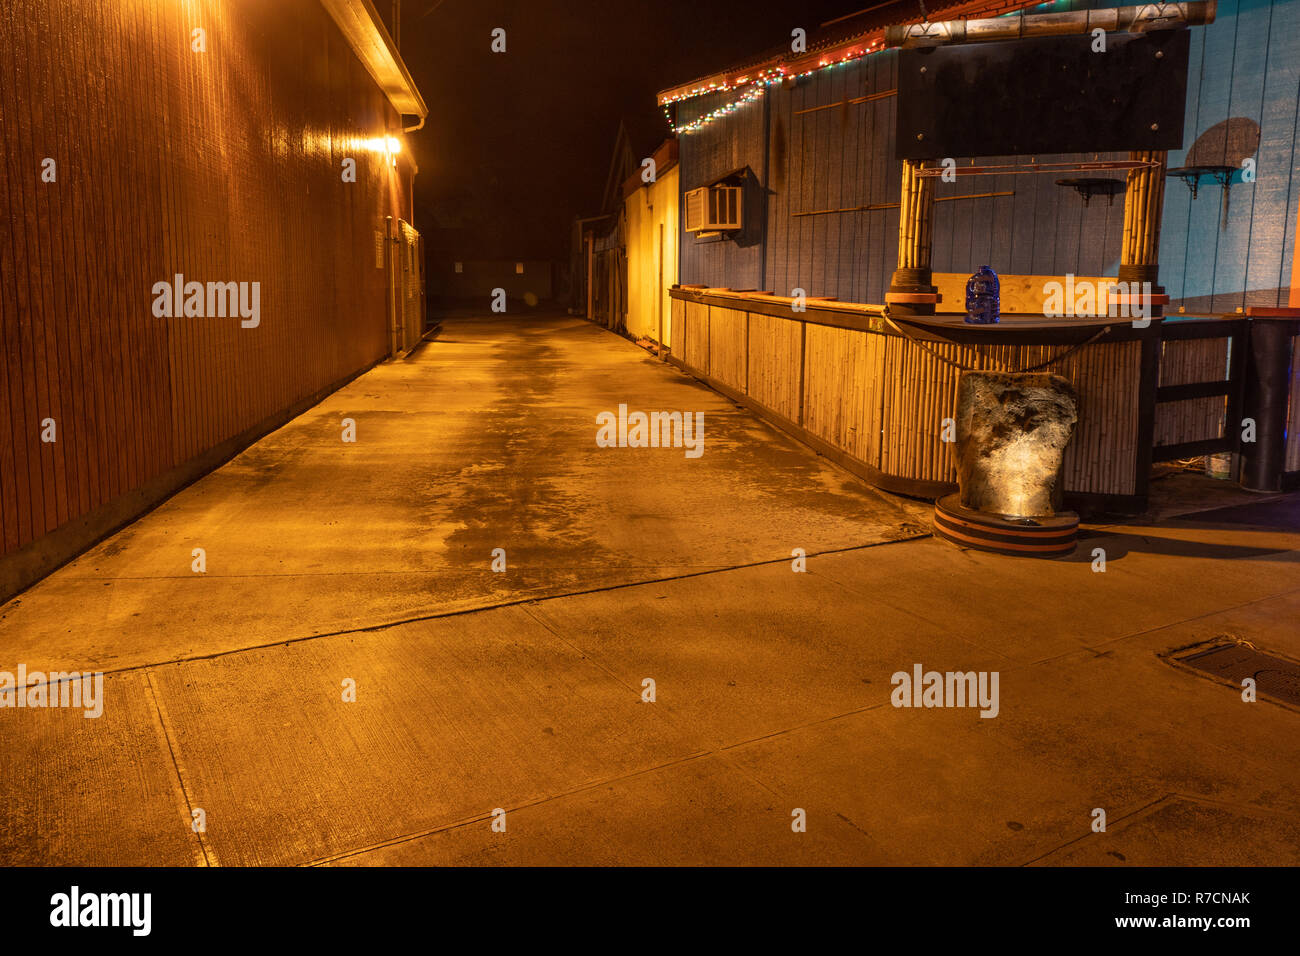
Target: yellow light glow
[(383, 144), (389, 146)]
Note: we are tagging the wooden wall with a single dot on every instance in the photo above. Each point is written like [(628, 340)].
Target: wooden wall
[(881, 400), (712, 151), (1245, 64), (223, 165), (652, 210), (832, 189), (830, 153), (827, 143)]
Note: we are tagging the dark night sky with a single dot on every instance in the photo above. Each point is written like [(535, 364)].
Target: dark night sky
[(519, 143)]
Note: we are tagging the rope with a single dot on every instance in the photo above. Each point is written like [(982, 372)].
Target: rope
[(911, 337)]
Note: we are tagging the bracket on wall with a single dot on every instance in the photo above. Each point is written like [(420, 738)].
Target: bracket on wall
[(1192, 176)]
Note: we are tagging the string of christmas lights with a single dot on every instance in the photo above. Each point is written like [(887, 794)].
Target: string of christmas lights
[(778, 74), (757, 87)]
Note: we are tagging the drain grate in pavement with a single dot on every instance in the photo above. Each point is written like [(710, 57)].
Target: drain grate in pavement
[(1275, 677)]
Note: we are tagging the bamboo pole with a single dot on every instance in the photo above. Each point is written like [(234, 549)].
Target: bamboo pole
[(916, 217), (1134, 19), (1143, 203)]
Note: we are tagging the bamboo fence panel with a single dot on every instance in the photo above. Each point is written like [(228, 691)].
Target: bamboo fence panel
[(1102, 455), (870, 407), (921, 392), (1193, 419), (727, 346), (884, 400), (775, 359), (696, 339), (678, 320), (1184, 362)]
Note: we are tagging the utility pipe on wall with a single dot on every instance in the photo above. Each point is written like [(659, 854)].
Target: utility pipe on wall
[(390, 261)]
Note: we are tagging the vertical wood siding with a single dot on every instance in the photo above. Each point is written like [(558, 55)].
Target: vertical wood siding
[(715, 150), (823, 151), (221, 166), (651, 212), (830, 148), (1246, 64)]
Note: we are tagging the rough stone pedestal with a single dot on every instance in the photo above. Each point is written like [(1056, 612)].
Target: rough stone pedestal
[(1012, 429)]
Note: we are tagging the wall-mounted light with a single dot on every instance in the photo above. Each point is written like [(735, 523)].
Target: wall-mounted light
[(389, 146)]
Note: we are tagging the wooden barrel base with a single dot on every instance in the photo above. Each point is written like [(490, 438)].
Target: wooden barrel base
[(1027, 537)]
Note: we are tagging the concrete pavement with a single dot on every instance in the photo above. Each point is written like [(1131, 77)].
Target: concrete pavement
[(483, 439), (522, 691)]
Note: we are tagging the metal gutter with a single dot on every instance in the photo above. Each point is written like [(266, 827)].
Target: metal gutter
[(365, 32)]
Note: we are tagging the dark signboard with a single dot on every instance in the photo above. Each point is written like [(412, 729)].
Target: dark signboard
[(1043, 95)]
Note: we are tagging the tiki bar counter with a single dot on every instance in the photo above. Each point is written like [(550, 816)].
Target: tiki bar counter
[(877, 393), (872, 390), (894, 391)]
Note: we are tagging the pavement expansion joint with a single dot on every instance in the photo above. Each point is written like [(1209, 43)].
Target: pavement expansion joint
[(518, 602)]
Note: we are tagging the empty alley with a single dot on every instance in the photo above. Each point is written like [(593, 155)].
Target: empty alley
[(520, 694)]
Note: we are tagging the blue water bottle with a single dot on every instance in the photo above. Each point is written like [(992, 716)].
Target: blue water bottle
[(982, 295)]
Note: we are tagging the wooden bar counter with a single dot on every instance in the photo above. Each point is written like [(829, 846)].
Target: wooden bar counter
[(877, 393)]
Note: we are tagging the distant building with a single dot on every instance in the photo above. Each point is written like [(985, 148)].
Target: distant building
[(474, 281), (650, 217), (633, 207), (469, 257)]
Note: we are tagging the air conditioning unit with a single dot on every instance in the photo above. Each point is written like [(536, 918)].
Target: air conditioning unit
[(713, 209)]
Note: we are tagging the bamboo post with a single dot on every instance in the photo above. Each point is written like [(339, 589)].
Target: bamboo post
[(1143, 210), (910, 289)]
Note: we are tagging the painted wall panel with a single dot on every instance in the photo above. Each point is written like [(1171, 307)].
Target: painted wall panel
[(1243, 67), (828, 152), (652, 215)]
